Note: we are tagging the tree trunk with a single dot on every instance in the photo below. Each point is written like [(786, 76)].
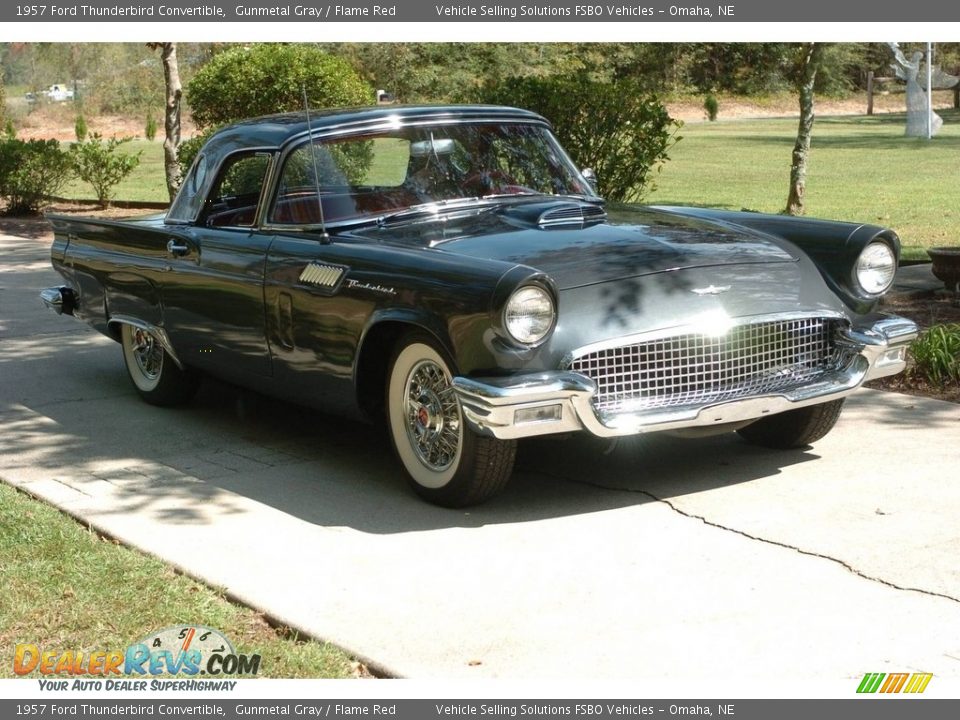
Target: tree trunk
[(810, 61), (171, 115)]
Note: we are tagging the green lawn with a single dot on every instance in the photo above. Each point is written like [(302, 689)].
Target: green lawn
[(66, 588), (146, 183), (861, 169)]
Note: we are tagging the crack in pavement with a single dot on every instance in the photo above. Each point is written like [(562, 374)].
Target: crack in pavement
[(743, 533), (70, 401)]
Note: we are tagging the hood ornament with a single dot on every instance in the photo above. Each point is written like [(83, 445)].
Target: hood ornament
[(710, 290)]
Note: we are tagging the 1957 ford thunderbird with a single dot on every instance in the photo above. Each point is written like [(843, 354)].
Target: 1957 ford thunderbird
[(451, 271)]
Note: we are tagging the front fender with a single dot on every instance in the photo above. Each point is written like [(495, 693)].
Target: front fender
[(832, 245)]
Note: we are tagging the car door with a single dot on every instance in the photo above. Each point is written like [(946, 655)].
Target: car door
[(320, 291), (213, 294)]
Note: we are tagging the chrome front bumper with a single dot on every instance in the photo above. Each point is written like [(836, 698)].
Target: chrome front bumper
[(558, 401)]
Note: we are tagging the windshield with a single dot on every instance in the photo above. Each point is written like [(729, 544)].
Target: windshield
[(376, 174)]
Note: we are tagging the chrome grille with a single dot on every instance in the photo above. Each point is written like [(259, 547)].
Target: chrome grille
[(697, 369)]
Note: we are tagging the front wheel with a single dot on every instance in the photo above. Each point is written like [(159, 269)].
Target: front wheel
[(447, 464), (794, 428), (155, 376)]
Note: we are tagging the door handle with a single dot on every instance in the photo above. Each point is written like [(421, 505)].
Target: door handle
[(176, 248)]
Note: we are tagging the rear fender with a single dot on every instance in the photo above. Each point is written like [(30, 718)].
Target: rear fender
[(132, 295)]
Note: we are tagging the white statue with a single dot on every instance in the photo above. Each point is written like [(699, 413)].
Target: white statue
[(914, 73)]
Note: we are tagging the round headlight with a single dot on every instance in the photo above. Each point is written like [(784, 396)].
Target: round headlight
[(876, 267), (529, 314)]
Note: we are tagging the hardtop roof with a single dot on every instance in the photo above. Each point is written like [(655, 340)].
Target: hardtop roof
[(272, 131)]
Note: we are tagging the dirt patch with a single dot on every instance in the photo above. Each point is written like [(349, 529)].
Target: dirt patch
[(927, 309), (57, 124), (739, 108), (937, 307)]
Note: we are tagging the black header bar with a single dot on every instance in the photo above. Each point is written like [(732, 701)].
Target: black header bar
[(512, 11), (237, 709)]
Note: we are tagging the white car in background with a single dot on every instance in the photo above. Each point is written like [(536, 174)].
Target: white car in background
[(54, 93)]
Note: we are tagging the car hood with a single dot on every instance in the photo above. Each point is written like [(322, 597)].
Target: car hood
[(630, 243)]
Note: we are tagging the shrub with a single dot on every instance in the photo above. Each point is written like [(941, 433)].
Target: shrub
[(80, 128), (150, 129), (616, 128), (9, 130), (270, 78), (189, 148), (711, 106), (100, 164), (30, 172), (936, 354)]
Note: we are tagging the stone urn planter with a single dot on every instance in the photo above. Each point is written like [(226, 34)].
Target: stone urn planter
[(946, 266)]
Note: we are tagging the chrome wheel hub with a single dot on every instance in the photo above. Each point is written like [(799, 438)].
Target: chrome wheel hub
[(433, 416), (147, 353)]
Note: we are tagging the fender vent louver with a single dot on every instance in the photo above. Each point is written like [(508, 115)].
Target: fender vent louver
[(325, 276), (572, 215)]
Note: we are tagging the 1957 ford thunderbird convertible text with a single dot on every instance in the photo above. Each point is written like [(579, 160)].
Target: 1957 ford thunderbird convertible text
[(450, 270)]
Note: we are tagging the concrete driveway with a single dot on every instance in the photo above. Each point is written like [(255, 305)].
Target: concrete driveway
[(659, 559)]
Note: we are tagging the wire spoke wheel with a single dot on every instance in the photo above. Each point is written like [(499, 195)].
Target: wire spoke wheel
[(446, 462), (154, 374), (433, 416), (148, 354)]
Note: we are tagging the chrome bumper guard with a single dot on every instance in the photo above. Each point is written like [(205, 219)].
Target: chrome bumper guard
[(559, 401)]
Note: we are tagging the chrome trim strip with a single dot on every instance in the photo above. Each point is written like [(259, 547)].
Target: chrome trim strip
[(158, 332), (394, 122)]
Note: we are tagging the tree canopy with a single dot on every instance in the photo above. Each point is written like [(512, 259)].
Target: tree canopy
[(245, 82)]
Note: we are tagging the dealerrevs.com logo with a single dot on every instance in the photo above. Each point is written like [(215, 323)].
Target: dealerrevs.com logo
[(182, 650)]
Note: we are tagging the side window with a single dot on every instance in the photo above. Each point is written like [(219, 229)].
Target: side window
[(355, 177), (235, 194)]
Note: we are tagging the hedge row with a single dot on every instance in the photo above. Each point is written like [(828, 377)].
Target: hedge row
[(33, 170)]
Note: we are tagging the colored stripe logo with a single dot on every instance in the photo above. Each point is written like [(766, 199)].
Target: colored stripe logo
[(894, 683)]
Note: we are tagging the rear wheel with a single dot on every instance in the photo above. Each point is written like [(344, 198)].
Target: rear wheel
[(794, 428), (152, 371), (447, 464)]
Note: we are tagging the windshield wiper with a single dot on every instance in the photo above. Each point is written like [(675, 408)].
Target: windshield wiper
[(504, 196)]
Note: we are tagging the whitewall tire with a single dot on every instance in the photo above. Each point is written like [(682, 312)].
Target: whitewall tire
[(446, 463)]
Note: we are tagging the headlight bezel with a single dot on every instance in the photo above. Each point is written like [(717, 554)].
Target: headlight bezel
[(542, 292), (867, 262)]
